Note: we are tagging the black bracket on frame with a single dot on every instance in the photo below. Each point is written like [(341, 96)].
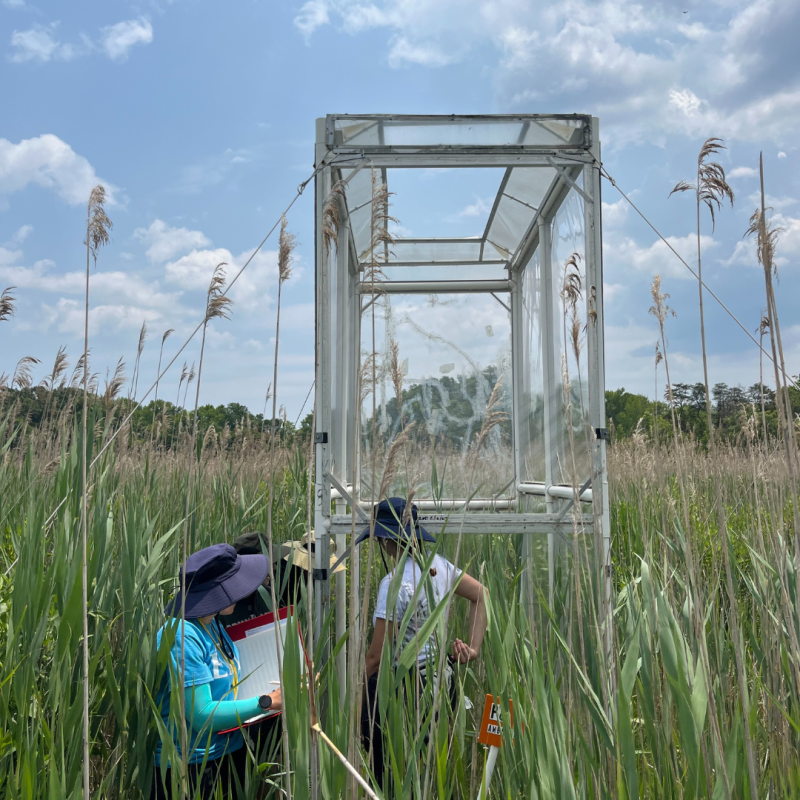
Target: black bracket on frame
[(321, 437), (602, 433), (320, 574)]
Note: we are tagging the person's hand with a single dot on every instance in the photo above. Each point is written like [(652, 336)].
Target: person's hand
[(277, 700), (463, 653)]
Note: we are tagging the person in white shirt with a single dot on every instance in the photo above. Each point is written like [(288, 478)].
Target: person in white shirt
[(397, 531)]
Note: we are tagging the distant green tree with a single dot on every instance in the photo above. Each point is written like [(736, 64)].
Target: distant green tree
[(624, 410)]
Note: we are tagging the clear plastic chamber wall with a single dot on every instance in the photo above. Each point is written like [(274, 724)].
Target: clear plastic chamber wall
[(481, 353)]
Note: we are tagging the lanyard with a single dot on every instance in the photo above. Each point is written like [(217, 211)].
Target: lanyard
[(231, 662)]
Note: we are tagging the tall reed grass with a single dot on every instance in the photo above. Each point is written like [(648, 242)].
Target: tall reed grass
[(657, 740)]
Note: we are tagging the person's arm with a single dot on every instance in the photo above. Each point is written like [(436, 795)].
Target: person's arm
[(376, 647), (205, 713), (471, 590)]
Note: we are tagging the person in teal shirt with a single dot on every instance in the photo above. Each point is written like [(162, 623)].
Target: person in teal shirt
[(216, 579)]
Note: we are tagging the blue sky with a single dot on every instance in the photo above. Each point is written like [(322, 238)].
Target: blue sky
[(199, 118)]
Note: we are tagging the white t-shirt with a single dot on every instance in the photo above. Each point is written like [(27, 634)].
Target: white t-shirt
[(442, 582)]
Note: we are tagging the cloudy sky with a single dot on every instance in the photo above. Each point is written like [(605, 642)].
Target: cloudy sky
[(198, 117)]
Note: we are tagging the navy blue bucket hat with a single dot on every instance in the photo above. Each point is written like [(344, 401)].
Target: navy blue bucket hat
[(388, 516), (216, 577)]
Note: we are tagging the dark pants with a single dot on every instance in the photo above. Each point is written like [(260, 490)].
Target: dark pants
[(265, 739), (372, 736)]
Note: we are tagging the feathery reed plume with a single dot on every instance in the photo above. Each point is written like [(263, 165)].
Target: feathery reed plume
[(98, 226), (164, 338), (331, 214), (7, 300), (396, 374), (139, 349), (59, 368), (491, 419), (711, 189), (22, 372), (114, 385), (660, 310), (77, 374), (286, 245), (189, 379)]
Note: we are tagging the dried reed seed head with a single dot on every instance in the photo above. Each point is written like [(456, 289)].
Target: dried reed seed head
[(767, 236), (659, 356), (217, 304), (396, 373), (660, 310), (99, 225), (286, 245), (763, 326), (142, 337), (7, 300), (575, 335), (331, 214), (115, 384), (184, 373), (22, 372), (190, 376), (59, 368), (77, 374), (167, 334), (571, 288)]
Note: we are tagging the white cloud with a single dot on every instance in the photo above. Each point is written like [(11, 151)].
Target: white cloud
[(165, 243), (104, 285), (250, 292), (742, 172), (425, 54), (642, 68), (624, 252), (118, 39), (8, 257), (479, 208), (14, 3), (21, 234), (67, 316), (49, 162), (313, 15), (781, 154), (777, 203), (39, 44), (614, 214)]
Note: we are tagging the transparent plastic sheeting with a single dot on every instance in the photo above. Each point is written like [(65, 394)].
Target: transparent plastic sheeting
[(565, 391), (452, 350), (500, 131), (518, 196)]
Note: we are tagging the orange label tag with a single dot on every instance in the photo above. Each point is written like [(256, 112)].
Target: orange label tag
[(491, 731)]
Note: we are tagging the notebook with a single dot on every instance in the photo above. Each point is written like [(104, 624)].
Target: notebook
[(259, 657)]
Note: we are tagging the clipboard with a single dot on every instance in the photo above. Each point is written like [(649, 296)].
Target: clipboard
[(259, 658)]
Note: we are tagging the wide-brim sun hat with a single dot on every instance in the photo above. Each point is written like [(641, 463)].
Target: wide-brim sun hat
[(216, 578), (388, 516), (301, 554)]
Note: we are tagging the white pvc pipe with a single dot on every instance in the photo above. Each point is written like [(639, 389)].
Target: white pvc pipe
[(487, 775), (436, 505), (561, 492)]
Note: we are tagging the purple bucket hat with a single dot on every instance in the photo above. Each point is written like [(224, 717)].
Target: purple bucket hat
[(216, 577)]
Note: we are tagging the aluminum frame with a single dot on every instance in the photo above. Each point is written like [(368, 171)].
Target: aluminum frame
[(337, 467)]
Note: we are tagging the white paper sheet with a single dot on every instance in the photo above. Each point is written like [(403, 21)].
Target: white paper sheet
[(258, 656)]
